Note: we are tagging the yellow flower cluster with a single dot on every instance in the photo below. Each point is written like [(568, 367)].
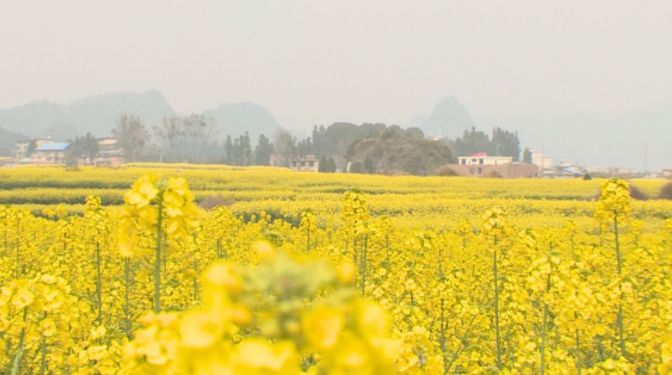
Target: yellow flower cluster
[(494, 223), (257, 321), (544, 283), (614, 200), (355, 212), (153, 202), (39, 318)]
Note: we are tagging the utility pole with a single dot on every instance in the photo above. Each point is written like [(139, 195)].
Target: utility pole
[(646, 157)]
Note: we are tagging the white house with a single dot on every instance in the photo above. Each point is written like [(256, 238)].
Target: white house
[(305, 163), (23, 151), (110, 153), (483, 158), (541, 161)]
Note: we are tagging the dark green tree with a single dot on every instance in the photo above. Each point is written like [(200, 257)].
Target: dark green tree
[(32, 146), (527, 156), (85, 147), (263, 151), (228, 150), (132, 135)]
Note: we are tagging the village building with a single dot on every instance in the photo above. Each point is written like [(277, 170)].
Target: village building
[(278, 160), (483, 165), (308, 163), (49, 153), (110, 153), (23, 148), (44, 151), (540, 160), (483, 158)]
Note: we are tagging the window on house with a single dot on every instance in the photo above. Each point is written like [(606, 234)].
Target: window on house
[(482, 161)]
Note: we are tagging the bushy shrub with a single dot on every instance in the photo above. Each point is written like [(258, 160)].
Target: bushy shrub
[(637, 194), (446, 171), (666, 192)]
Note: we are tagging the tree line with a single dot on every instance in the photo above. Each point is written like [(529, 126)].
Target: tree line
[(366, 148)]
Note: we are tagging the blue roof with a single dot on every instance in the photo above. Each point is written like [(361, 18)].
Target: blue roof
[(54, 146)]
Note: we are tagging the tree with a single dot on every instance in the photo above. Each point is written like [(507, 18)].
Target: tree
[(527, 156), (32, 146), (472, 141), (414, 132), (398, 154), (502, 143), (263, 151), (246, 149), (132, 135), (505, 143), (186, 139), (327, 164), (85, 147), (228, 150), (168, 136), (198, 131), (285, 145)]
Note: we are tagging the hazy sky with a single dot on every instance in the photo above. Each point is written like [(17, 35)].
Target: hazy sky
[(315, 61)]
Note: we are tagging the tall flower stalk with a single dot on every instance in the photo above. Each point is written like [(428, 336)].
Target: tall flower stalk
[(613, 210), (356, 226), (160, 209), (493, 227)]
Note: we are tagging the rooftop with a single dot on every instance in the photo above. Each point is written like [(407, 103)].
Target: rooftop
[(108, 142), (485, 155), (53, 146)]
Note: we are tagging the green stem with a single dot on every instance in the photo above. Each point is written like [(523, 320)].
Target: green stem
[(619, 259), (18, 357), (578, 348), (542, 350), (99, 282), (157, 263), (363, 263), (18, 248), (497, 334), (442, 339), (127, 289), (43, 356), (387, 249)]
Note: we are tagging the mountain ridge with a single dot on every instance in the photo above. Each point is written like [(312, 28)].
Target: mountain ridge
[(449, 118), (98, 114)]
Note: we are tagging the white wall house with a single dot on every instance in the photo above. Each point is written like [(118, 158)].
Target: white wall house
[(305, 163), (482, 158), (541, 161)]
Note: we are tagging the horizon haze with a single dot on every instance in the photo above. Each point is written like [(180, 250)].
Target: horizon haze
[(584, 80)]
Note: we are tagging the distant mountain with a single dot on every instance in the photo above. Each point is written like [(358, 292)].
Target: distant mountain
[(236, 118), (97, 114), (8, 142), (448, 119)]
